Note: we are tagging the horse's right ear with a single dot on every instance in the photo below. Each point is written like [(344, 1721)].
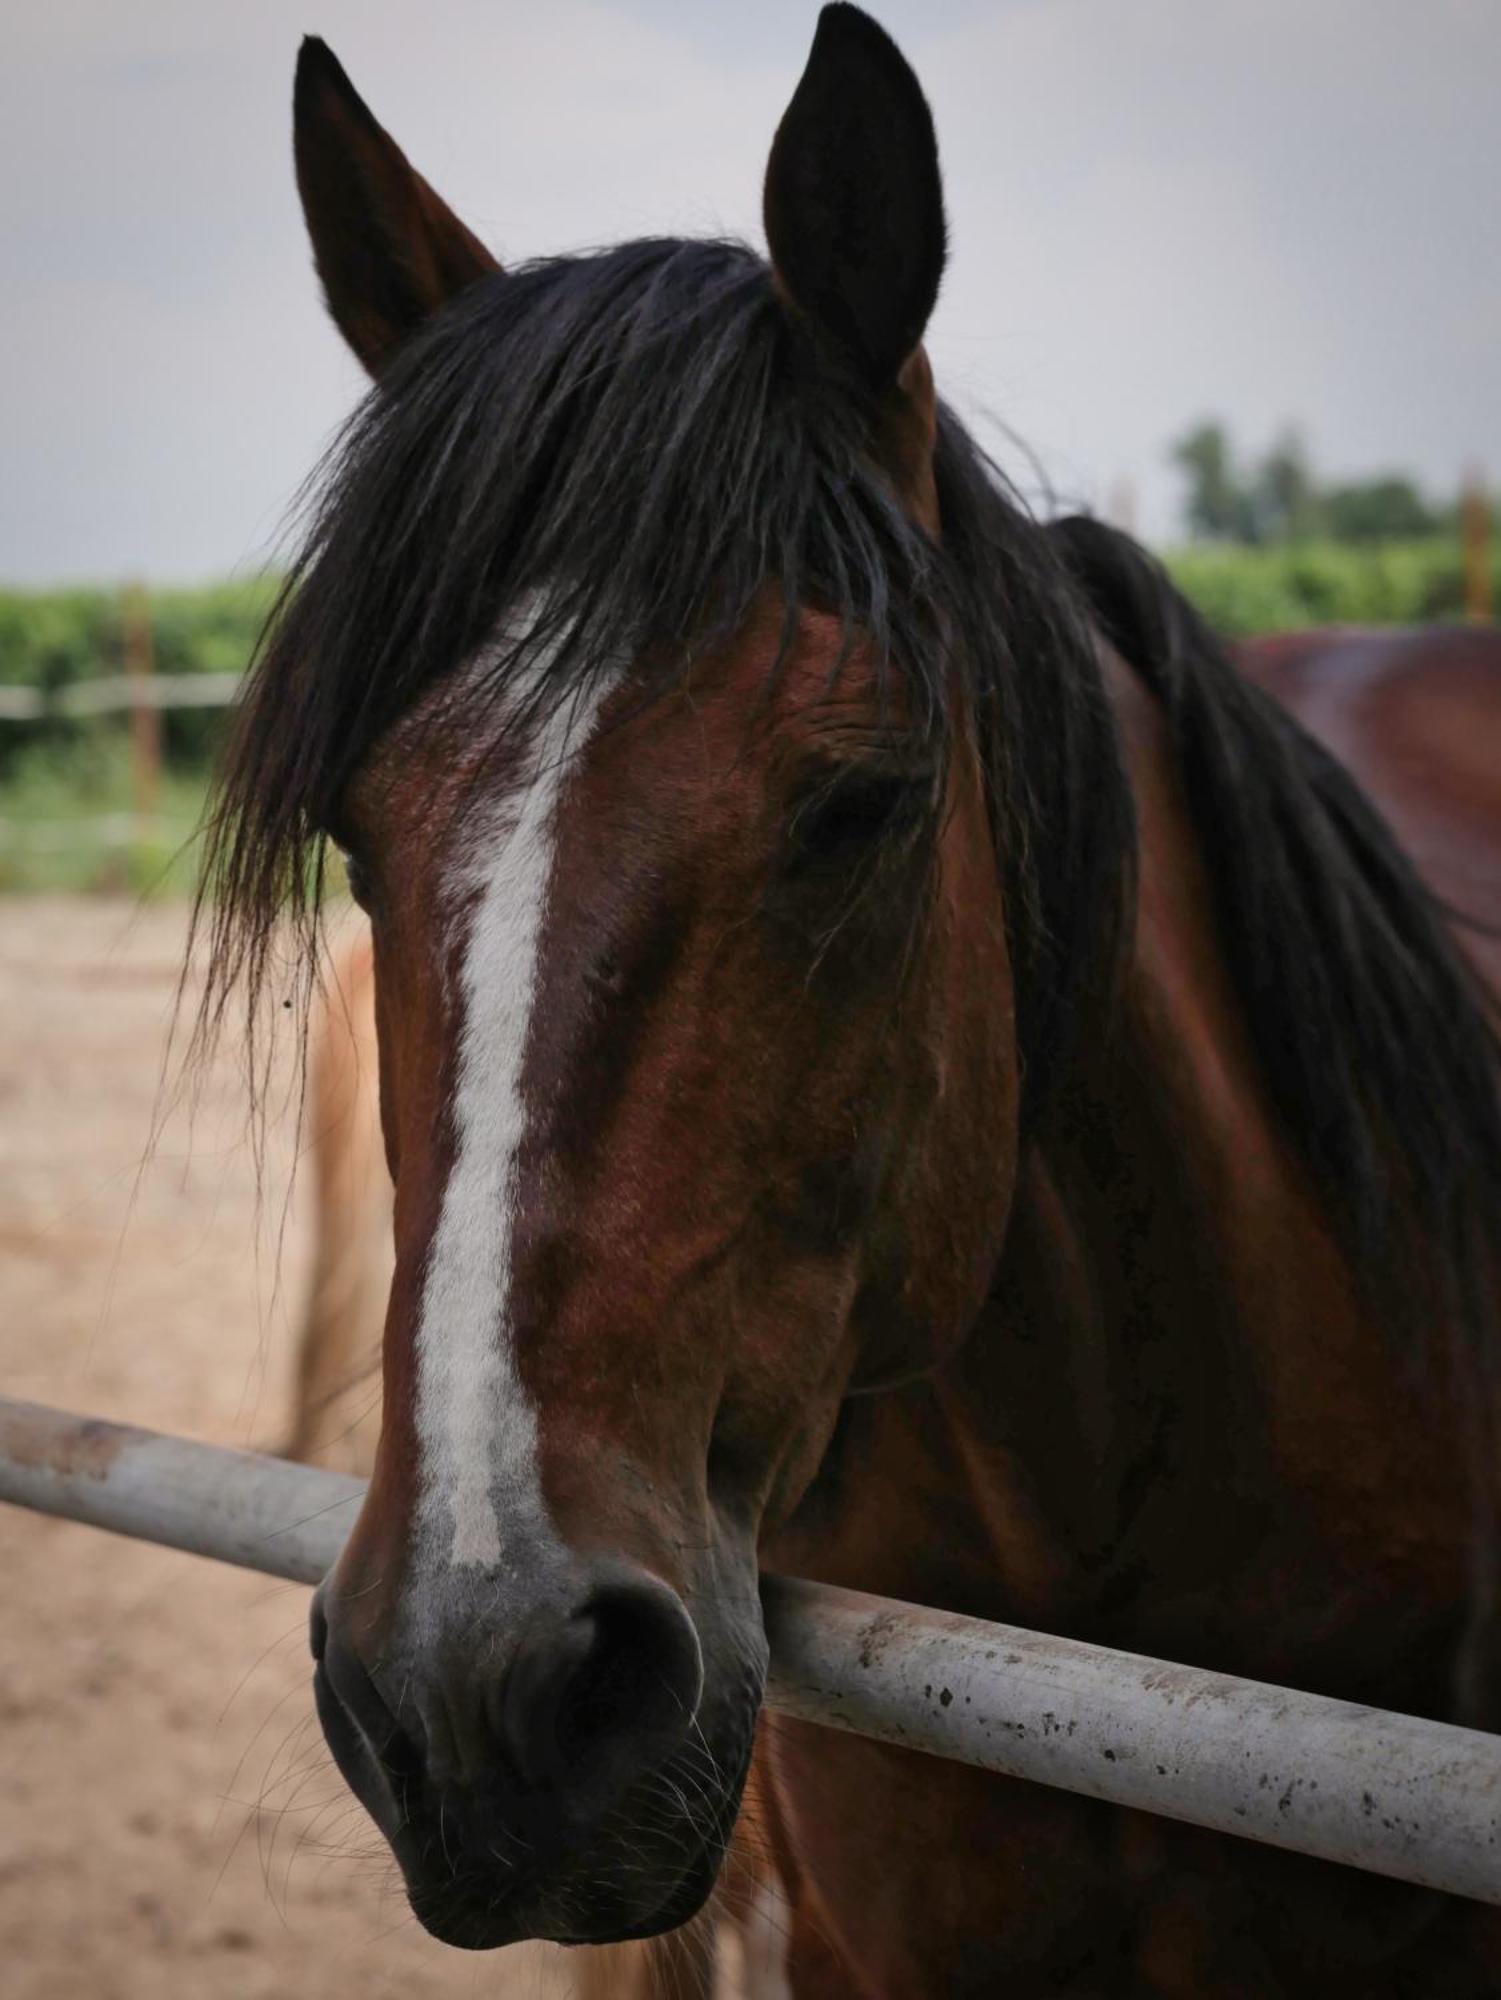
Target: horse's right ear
[(389, 251), (853, 200)]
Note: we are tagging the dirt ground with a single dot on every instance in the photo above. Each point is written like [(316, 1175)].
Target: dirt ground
[(169, 1822)]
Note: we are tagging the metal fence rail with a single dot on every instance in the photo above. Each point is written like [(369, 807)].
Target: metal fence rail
[(1393, 1794), (114, 693)]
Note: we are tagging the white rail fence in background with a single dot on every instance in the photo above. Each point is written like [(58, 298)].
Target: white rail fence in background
[(144, 698), (1392, 1794), (112, 696)]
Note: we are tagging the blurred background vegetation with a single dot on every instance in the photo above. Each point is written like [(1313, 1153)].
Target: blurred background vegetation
[(1271, 547), (73, 810)]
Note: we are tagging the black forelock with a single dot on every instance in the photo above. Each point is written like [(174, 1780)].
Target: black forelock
[(639, 442)]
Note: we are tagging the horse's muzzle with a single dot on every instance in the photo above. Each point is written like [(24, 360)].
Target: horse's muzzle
[(563, 1779)]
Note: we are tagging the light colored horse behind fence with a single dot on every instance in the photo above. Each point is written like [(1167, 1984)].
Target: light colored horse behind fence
[(735, 1951), (336, 1415)]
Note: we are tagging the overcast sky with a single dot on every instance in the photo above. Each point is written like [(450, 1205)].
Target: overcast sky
[(1274, 210)]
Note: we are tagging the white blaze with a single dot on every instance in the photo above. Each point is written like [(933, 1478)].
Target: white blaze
[(476, 1427)]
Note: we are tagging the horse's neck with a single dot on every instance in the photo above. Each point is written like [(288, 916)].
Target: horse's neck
[(1174, 1427)]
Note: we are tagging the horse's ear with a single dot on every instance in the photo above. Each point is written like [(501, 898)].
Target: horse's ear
[(853, 200), (389, 251)]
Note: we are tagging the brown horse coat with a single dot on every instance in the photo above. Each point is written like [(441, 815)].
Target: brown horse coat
[(1417, 717), (898, 1064)]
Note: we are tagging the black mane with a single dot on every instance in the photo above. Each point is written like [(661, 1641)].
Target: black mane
[(640, 432), (1377, 1043), (637, 441)]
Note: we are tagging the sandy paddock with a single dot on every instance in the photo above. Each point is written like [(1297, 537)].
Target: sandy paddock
[(169, 1823)]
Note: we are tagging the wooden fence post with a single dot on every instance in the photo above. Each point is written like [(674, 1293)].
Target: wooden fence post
[(145, 716), (1475, 535)]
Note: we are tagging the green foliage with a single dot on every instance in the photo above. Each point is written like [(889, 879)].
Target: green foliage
[(66, 820), (1278, 498), (1377, 510), (1276, 589), (1218, 507), (66, 803), (53, 639), (48, 638), (65, 783), (1285, 503)]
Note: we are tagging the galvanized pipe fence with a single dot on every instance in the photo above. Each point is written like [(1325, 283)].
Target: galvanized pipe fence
[(1393, 1794)]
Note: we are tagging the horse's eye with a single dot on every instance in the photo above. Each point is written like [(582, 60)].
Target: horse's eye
[(850, 817)]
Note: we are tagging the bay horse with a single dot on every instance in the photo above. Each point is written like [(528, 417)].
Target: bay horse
[(1414, 715), (897, 1063)]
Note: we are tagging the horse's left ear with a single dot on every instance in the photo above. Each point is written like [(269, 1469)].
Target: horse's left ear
[(854, 202), (389, 250)]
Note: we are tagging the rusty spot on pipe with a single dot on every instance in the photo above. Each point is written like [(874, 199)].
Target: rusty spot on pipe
[(86, 1447)]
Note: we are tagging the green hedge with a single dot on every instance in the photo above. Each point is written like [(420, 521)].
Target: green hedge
[(1277, 589), (49, 638), (65, 783)]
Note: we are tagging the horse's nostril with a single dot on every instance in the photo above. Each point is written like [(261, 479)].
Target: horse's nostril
[(642, 1674), (529, 1700), (603, 1695)]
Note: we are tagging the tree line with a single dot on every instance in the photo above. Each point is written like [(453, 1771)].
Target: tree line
[(1279, 497)]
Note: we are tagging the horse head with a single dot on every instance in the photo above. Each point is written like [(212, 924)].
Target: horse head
[(667, 799)]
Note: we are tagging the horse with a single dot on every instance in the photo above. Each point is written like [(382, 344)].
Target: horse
[(1404, 710), (897, 1063), (335, 1391), (1416, 715)]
